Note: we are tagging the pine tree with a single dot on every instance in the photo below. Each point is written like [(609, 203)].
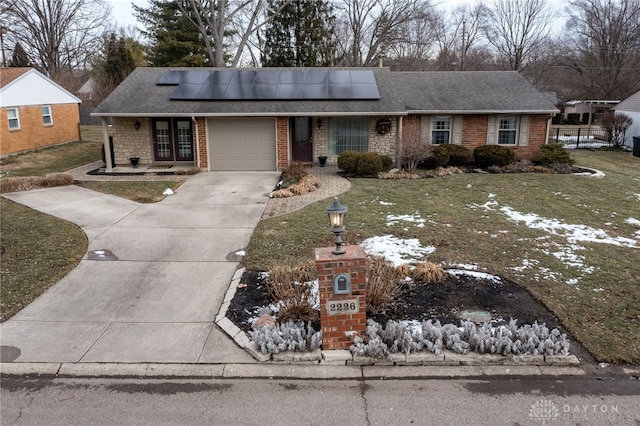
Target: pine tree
[(174, 40), (19, 57), (300, 34), (112, 65)]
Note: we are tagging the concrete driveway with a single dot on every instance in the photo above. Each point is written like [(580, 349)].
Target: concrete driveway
[(153, 279)]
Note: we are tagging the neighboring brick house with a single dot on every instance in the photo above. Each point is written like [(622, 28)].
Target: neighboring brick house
[(263, 119), (35, 111)]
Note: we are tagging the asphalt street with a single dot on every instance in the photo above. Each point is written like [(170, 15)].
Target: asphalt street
[(490, 401)]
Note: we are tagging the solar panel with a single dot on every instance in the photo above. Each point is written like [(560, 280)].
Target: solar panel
[(252, 85)]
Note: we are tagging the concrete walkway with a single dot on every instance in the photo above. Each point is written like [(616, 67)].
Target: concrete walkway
[(154, 277)]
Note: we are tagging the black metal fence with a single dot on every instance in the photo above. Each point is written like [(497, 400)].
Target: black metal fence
[(579, 137)]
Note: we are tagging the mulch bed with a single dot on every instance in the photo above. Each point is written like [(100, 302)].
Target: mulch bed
[(443, 301)]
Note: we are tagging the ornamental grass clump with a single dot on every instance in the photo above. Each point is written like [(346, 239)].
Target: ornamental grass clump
[(383, 284), (293, 290), (428, 272)]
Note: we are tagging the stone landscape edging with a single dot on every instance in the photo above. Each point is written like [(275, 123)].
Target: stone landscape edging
[(344, 357)]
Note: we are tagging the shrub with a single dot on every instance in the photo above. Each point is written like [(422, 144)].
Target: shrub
[(616, 124), (554, 153), (33, 182), (289, 336), (382, 284), (438, 157), (458, 155), (387, 162), (510, 339), (292, 174), (293, 290), (370, 164), (493, 155), (348, 161), (413, 152)]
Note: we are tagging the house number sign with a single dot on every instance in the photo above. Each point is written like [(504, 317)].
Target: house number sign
[(341, 307)]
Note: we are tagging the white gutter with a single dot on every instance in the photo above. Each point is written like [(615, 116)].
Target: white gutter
[(251, 114)]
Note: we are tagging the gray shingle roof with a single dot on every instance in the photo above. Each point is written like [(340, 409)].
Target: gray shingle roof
[(400, 93)]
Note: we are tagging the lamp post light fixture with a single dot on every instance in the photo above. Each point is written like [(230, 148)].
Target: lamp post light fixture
[(336, 212)]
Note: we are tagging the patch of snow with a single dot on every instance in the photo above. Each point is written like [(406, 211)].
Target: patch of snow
[(168, 191), (394, 219), (573, 233), (598, 290), (399, 251), (476, 274), (632, 221), (573, 281), (466, 266), (469, 186), (240, 253), (386, 203), (491, 195)]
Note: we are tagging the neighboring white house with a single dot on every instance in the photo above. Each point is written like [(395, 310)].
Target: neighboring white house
[(631, 107)]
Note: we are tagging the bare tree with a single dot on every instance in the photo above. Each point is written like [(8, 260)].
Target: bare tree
[(226, 24), (58, 35), (519, 28), (606, 47), (415, 42), (369, 27), (460, 36)]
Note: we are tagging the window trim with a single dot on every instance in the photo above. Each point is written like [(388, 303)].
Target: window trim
[(364, 121), (49, 115), (449, 129), (515, 129), (16, 110)]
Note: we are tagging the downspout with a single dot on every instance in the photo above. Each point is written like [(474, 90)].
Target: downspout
[(108, 161), (195, 124)]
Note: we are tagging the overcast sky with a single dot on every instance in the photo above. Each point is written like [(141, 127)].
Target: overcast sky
[(122, 11)]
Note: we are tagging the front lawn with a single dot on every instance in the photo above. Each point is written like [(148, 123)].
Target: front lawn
[(572, 241), (37, 251)]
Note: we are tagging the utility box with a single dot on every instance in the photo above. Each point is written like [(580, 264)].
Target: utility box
[(636, 146), (343, 308)]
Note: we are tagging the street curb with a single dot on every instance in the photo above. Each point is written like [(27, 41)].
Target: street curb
[(292, 371)]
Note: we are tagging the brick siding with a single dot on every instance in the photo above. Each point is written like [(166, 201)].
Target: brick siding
[(282, 141), (339, 330), (33, 133)]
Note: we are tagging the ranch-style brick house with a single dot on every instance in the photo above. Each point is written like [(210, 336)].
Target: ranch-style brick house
[(264, 119), (35, 111)]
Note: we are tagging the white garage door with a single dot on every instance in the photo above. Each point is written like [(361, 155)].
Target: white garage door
[(242, 143)]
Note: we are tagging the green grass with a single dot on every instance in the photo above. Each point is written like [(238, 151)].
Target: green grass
[(140, 191), (58, 158), (607, 322), (37, 251)]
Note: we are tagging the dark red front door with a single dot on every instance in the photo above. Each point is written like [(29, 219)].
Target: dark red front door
[(172, 139), (301, 140)]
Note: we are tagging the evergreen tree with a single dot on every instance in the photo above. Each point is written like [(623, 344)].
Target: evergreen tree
[(112, 65), (299, 34), (174, 40), (19, 57)]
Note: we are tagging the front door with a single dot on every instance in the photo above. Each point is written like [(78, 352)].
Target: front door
[(301, 139), (172, 139)]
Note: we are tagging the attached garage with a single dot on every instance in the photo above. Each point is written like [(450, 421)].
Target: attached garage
[(242, 143)]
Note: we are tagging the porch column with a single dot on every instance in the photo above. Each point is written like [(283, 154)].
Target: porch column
[(107, 149)]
